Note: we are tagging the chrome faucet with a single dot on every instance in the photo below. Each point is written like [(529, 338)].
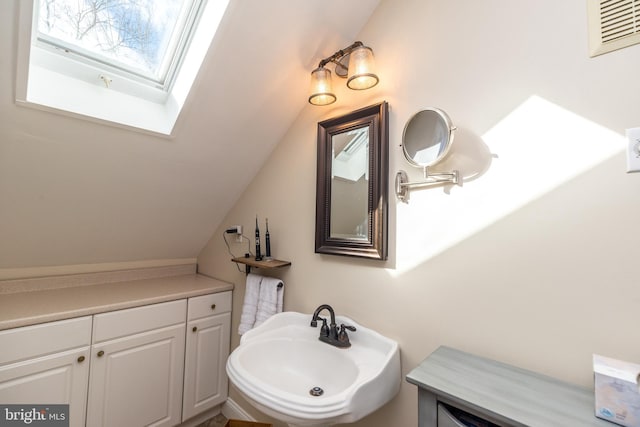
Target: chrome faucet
[(329, 333)]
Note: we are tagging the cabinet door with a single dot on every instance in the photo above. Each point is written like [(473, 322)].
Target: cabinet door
[(207, 350), (137, 380), (60, 378)]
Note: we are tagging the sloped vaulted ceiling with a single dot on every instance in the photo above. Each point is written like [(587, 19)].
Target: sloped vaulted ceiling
[(74, 191)]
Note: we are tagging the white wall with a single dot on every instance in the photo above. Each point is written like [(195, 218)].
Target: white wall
[(532, 261), (78, 192)]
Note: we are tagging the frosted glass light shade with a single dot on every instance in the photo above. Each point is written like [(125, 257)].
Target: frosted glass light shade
[(321, 89), (361, 69)]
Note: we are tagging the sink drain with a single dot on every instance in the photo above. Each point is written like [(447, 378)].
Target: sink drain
[(316, 391)]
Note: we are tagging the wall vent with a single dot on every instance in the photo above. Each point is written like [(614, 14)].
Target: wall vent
[(613, 24)]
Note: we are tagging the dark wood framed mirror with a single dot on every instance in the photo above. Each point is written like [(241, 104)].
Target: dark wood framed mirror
[(352, 184)]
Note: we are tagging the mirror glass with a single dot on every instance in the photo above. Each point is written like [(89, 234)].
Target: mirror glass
[(427, 137), (352, 184), (349, 184)]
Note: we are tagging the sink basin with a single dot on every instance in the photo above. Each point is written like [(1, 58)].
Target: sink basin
[(283, 370)]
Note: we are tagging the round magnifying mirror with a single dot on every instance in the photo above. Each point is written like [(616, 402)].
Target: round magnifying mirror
[(427, 137)]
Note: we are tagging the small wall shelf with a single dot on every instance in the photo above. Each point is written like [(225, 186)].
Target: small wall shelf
[(264, 263)]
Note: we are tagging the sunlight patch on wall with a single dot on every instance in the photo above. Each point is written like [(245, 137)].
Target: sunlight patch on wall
[(537, 147)]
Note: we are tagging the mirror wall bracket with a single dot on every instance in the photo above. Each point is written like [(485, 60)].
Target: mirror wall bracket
[(403, 185)]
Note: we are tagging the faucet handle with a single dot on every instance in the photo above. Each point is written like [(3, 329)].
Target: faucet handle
[(349, 327), (343, 338)]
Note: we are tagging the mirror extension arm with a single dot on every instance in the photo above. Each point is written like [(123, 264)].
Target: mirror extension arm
[(403, 185)]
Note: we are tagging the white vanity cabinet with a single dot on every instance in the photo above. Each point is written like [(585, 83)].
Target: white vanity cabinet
[(207, 350), (47, 364), (140, 353), (137, 361)]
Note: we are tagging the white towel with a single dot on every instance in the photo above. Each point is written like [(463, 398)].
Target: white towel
[(270, 299), (250, 305)]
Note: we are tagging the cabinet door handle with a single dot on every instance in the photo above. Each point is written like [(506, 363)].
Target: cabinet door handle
[(100, 353), (195, 328), (80, 359), (213, 306)]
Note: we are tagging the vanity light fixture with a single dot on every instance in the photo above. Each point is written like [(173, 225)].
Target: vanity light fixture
[(354, 62)]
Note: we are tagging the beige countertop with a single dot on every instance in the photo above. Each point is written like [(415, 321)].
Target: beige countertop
[(39, 306)]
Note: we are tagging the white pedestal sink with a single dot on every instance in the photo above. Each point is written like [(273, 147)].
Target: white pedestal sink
[(283, 370)]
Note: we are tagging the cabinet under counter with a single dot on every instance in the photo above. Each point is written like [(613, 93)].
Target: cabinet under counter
[(498, 393), (102, 347), (157, 364)]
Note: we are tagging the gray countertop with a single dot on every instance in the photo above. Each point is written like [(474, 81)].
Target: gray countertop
[(39, 306), (515, 395)]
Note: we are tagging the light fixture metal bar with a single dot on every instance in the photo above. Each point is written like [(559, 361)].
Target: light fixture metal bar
[(335, 58)]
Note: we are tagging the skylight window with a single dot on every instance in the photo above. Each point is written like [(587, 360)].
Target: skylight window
[(128, 62), (140, 39)]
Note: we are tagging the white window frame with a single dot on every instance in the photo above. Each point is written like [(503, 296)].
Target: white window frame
[(82, 88)]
